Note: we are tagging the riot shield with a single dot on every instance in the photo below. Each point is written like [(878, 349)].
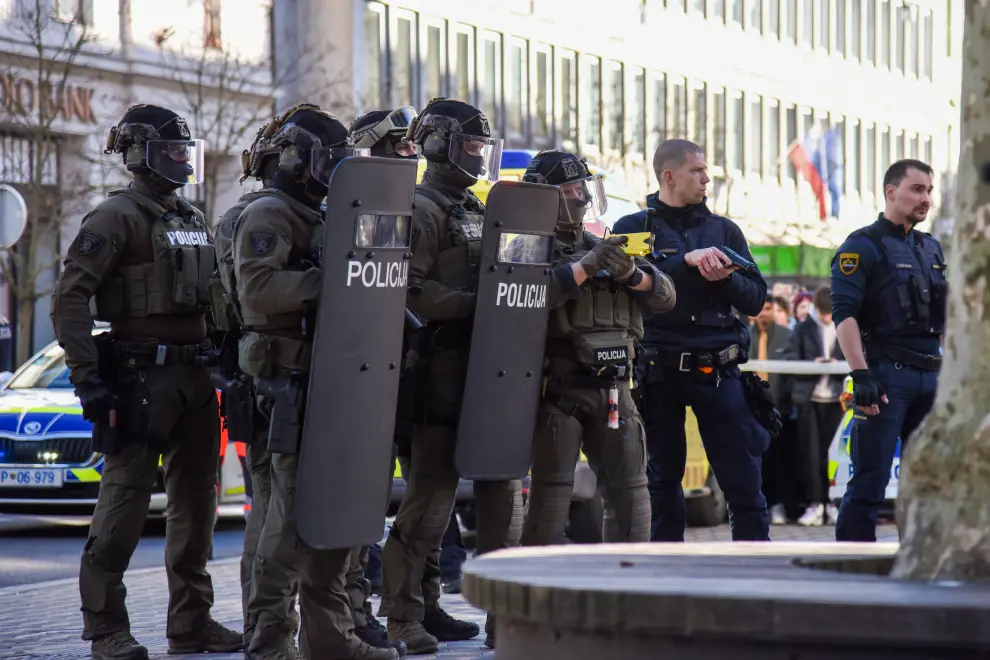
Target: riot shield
[(346, 441), (502, 390)]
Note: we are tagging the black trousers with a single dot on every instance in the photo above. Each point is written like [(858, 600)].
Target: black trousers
[(816, 427)]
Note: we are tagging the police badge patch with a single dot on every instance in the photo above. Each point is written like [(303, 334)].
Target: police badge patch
[(87, 242), (848, 262), (262, 242)]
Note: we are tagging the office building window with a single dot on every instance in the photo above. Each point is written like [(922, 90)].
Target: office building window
[(616, 104), (754, 18), (789, 20), (773, 17), (928, 150), (840, 26), (735, 12), (754, 125), (696, 6), (434, 62), (680, 109), (658, 108), (856, 157), (926, 47), (516, 88), (901, 35), (855, 29), (870, 186), (464, 75), (899, 147), (404, 66), (871, 31), (491, 95), (81, 11), (773, 139), (911, 45), (913, 150), (737, 128), (791, 139), (699, 111), (374, 43), (591, 101), (718, 10), (885, 33), (638, 137), (883, 158), (718, 98), (823, 16), (568, 97), (808, 22), (543, 92)]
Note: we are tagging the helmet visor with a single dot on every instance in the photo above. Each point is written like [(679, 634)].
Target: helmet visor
[(476, 156), (396, 121), (179, 161), (324, 160), (584, 200)]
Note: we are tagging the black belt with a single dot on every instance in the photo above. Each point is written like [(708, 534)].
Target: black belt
[(689, 361), (143, 354), (911, 358), (592, 378)]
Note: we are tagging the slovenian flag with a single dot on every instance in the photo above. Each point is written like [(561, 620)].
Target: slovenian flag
[(818, 159)]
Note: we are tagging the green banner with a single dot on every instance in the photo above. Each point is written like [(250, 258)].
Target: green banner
[(793, 260)]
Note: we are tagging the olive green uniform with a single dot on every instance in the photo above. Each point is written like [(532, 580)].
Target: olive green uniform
[(589, 351), (275, 288), (443, 274), (258, 458), (147, 259)]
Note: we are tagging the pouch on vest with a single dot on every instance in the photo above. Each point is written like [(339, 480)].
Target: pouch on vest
[(611, 347), (219, 306), (255, 355)]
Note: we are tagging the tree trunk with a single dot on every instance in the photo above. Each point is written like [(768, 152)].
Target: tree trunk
[(25, 330), (943, 507)]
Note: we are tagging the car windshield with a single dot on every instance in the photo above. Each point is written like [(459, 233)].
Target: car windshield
[(45, 370)]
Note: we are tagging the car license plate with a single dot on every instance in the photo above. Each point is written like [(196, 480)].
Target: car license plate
[(30, 478)]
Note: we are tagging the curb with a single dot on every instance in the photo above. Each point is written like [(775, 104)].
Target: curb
[(35, 586)]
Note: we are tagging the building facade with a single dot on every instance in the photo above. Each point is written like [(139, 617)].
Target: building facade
[(68, 71)]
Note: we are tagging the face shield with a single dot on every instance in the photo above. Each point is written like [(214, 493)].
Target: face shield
[(583, 200), (324, 160), (477, 156), (179, 161), (397, 121)]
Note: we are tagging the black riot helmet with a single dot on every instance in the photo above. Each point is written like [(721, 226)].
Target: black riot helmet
[(384, 132), (156, 140), (582, 194), (457, 137)]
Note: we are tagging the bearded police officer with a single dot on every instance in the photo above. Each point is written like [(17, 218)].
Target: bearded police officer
[(889, 293), (456, 141), (693, 350), (596, 299), (146, 256), (277, 244), (245, 421)]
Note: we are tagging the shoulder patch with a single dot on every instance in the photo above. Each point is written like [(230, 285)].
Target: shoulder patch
[(262, 242), (848, 262), (88, 242)]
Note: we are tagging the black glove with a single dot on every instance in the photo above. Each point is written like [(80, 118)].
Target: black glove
[(866, 390), (618, 264), (96, 398)]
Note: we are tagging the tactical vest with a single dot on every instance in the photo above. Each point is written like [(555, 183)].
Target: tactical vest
[(460, 249), (603, 324), (913, 304), (176, 282), (691, 310)]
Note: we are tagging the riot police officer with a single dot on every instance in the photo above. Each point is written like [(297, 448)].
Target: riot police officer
[(692, 351), (254, 425), (277, 245), (596, 298), (145, 255), (889, 292), (456, 141)]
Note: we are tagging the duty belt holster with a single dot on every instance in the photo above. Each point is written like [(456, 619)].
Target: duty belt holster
[(288, 396), (911, 358)]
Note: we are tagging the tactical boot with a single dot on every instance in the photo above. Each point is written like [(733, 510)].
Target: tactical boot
[(446, 628), (413, 635), (211, 638), (117, 646), (373, 628), (280, 650), (365, 652)]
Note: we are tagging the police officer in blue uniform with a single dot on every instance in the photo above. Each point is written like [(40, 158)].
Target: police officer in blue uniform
[(691, 352), (888, 305)]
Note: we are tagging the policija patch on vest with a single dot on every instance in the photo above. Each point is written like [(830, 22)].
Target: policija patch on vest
[(262, 242), (848, 262), (87, 242)]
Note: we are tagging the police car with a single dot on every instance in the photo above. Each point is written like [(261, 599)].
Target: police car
[(47, 464)]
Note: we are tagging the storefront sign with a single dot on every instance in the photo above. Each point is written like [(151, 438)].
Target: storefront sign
[(26, 98)]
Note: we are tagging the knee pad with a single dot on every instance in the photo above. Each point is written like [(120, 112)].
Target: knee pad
[(629, 517)]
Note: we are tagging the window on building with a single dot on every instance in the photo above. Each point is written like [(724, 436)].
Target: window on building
[(885, 33), (871, 31), (464, 75), (679, 109), (926, 46), (697, 7), (718, 10), (855, 157), (374, 45), (516, 88), (434, 62), (791, 139), (754, 125), (754, 17), (491, 93), (699, 112), (840, 131), (616, 105), (81, 11), (899, 147), (638, 137), (901, 29), (808, 22), (855, 29), (823, 15), (883, 158), (734, 12), (737, 128), (543, 92), (591, 102), (913, 148), (403, 80), (211, 20), (911, 45), (773, 139), (870, 185), (568, 97), (773, 17), (719, 135), (928, 150), (789, 21), (658, 108), (840, 26)]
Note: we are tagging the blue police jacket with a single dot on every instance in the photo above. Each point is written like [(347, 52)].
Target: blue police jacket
[(894, 284), (702, 319)]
